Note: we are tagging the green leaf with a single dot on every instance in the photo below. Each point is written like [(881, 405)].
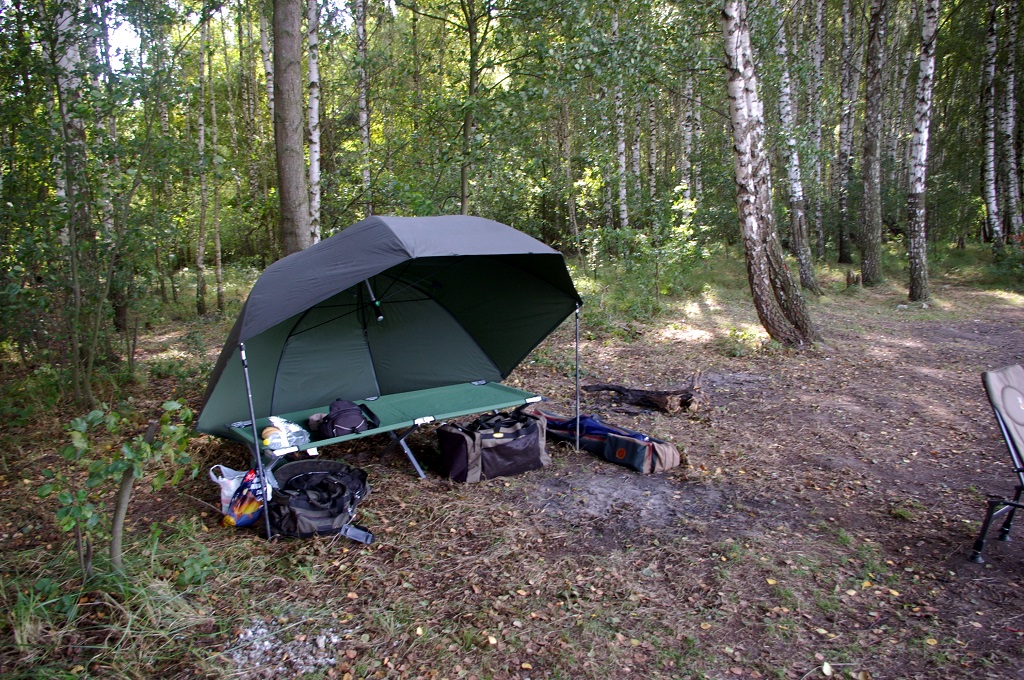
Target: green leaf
[(45, 490)]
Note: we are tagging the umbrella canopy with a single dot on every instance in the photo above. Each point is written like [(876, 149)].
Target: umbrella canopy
[(389, 305)]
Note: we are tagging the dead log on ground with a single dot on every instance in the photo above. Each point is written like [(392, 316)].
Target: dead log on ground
[(669, 401)]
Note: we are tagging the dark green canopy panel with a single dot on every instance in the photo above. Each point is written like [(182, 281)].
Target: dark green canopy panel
[(389, 305)]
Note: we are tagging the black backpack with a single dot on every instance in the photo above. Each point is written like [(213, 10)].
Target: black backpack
[(345, 418), (318, 497)]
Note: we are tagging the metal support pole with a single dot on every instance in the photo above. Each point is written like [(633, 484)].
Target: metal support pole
[(577, 376), (264, 484)]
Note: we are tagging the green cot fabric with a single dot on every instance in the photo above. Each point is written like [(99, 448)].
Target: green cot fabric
[(403, 410)]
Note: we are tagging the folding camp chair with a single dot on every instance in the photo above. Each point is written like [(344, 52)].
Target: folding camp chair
[(1005, 388)]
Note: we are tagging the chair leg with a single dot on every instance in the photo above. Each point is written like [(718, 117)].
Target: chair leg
[(1004, 532), (979, 542)]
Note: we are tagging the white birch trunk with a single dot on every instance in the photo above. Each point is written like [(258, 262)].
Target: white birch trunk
[(797, 203), (364, 108), (652, 155), (771, 283), (817, 86), (698, 129), (218, 260), (844, 166), (686, 153), (916, 217), (635, 153), (313, 115), (267, 52), (1008, 124), (871, 230), (620, 137), (204, 37), (995, 225)]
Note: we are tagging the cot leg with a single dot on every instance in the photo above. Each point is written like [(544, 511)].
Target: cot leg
[(399, 439)]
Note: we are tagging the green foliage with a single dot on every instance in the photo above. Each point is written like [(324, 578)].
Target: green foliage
[(96, 463), (26, 397)]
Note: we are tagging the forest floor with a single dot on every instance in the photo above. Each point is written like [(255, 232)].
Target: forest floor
[(820, 526)]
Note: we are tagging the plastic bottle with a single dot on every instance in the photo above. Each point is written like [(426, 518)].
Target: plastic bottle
[(274, 438)]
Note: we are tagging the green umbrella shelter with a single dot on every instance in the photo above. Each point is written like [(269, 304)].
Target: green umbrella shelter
[(390, 305)]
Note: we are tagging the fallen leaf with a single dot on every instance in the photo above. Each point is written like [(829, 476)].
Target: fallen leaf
[(771, 581), (931, 641), (826, 669)]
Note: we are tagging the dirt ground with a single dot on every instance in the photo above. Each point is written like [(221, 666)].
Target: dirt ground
[(820, 526)]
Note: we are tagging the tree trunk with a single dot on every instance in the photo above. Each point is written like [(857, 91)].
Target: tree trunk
[(620, 136), (844, 164), (1015, 219), (478, 28), (817, 85), (652, 153), (797, 204), (218, 256), (67, 58), (267, 52), (570, 189), (313, 116), (288, 126), (776, 295), (686, 152), (993, 222), (364, 110), (201, 133), (916, 222), (871, 231)]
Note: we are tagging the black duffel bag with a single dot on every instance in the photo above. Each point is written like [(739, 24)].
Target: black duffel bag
[(499, 445), (318, 497)]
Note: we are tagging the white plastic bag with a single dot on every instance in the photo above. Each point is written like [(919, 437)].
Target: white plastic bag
[(295, 434), (228, 480)]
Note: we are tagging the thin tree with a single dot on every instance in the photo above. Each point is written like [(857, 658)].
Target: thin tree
[(313, 115), (1008, 121), (364, 105), (288, 126), (916, 221), (817, 106), (620, 135), (777, 298), (201, 134), (849, 72), (797, 204), (871, 229), (993, 222)]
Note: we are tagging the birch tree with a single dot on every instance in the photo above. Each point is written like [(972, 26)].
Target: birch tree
[(204, 33), (797, 204), (993, 223), (916, 222), (817, 106), (844, 165), (364, 108), (313, 115), (777, 298), (1008, 121), (871, 229), (620, 134)]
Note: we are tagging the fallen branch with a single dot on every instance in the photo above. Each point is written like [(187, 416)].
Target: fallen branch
[(669, 401)]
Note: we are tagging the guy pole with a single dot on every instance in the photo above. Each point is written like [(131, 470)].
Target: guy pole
[(577, 376), (264, 486)]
